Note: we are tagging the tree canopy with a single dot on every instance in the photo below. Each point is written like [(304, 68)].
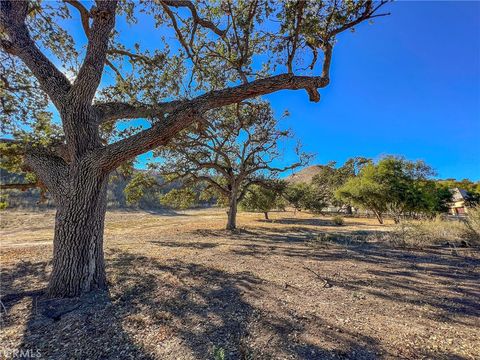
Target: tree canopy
[(263, 199), (263, 45), (397, 186), (232, 149)]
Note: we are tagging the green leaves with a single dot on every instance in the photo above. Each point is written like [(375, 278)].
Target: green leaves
[(397, 186), (137, 187), (261, 199), (179, 198)]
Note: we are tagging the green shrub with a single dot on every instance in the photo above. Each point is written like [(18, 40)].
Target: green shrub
[(338, 220)]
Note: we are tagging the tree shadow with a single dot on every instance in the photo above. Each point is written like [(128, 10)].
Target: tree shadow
[(186, 244), (310, 222), (164, 211), (58, 328), (26, 279), (403, 276), (169, 310), (406, 277)]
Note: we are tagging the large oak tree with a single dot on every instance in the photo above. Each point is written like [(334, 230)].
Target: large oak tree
[(196, 56)]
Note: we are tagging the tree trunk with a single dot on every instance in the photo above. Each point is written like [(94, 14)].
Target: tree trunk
[(266, 215), (232, 213), (78, 261), (379, 217)]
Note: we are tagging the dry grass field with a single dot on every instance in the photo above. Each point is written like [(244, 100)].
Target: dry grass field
[(181, 287)]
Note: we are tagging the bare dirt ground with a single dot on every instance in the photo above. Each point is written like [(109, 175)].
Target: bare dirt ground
[(181, 287)]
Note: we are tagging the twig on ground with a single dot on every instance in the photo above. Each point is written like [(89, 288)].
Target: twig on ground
[(326, 284)]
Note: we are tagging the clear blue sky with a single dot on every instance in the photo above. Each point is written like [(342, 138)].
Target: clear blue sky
[(408, 84)]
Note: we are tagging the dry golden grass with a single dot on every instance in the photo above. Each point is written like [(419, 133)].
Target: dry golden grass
[(296, 287)]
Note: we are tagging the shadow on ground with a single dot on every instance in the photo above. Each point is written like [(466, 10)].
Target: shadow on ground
[(402, 276), (310, 222), (171, 310)]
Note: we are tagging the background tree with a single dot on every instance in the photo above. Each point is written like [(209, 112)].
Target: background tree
[(435, 198), (394, 185), (364, 192), (315, 199), (295, 195), (262, 199), (330, 178), (138, 186), (232, 149), (303, 196), (217, 58), (180, 198)]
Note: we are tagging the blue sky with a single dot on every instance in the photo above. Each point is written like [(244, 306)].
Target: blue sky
[(409, 84)]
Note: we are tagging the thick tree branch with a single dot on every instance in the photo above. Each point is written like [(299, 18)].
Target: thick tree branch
[(90, 73), (159, 134), (51, 170), (190, 111), (218, 98), (112, 111)]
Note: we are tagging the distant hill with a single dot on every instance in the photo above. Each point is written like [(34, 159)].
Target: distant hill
[(305, 175)]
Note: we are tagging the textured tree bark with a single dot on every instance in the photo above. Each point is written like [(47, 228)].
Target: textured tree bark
[(78, 261), (232, 213)]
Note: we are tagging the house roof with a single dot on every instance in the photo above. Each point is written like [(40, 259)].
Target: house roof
[(459, 194)]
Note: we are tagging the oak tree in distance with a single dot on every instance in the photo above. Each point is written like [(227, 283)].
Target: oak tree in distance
[(232, 149)]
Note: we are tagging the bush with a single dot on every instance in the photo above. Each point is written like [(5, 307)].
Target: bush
[(338, 220), (473, 224), (432, 232)]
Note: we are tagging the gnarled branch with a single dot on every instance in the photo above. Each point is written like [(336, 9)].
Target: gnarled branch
[(196, 18), (215, 99)]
